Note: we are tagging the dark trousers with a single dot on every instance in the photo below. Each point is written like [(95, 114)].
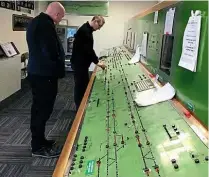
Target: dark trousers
[(44, 92), (81, 80)]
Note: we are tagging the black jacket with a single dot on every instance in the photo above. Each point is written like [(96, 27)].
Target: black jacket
[(83, 53), (46, 54)]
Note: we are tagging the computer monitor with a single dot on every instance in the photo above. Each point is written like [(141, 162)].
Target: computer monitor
[(71, 32)]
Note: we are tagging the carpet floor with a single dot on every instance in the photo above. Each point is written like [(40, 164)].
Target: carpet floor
[(15, 136)]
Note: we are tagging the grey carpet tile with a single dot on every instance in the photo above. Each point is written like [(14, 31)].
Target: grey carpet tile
[(40, 171), (44, 162), (19, 137), (62, 125), (12, 121), (5, 133), (13, 170)]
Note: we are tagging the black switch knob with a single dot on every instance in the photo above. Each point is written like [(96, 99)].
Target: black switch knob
[(82, 157), (73, 164), (173, 160), (173, 126), (175, 129), (80, 166), (178, 133), (197, 161), (206, 158), (176, 166)]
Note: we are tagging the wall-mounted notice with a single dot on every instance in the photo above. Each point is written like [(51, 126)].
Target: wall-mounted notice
[(169, 21), (156, 17), (144, 44), (190, 45)]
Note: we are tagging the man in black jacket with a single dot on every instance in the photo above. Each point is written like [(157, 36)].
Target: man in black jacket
[(83, 55), (45, 67)]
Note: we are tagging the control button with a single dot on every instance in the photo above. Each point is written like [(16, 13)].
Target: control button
[(176, 166), (136, 132), (125, 124), (82, 157), (80, 166), (178, 133), (206, 158), (192, 155), (81, 161), (71, 168), (148, 143), (175, 129), (197, 161), (73, 164), (173, 126), (75, 155), (107, 146), (173, 160), (74, 159), (84, 147), (83, 150)]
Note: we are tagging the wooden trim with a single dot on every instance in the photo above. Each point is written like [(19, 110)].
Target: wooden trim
[(156, 7), (67, 148)]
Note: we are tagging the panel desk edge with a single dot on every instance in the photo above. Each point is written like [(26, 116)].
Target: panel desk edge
[(62, 162)]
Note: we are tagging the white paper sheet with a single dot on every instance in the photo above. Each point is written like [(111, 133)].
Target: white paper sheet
[(155, 95), (190, 45), (8, 49), (169, 21), (156, 17), (137, 56), (144, 45)]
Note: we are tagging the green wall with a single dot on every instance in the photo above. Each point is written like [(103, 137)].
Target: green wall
[(191, 87), (86, 8)]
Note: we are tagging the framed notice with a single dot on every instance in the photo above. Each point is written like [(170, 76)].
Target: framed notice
[(9, 49), (8, 4), (20, 22), (28, 4)]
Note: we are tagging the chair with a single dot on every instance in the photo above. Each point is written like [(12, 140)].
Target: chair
[(24, 62)]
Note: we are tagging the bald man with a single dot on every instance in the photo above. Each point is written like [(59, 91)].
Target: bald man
[(45, 67), (83, 55)]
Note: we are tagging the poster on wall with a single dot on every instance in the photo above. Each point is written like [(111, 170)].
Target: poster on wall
[(156, 17), (28, 4), (190, 45), (169, 21), (8, 4)]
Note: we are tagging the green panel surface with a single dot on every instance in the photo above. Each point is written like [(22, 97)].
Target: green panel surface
[(191, 87), (87, 8), (119, 139)]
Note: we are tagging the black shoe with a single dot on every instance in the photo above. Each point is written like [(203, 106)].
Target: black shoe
[(46, 153), (49, 143)]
